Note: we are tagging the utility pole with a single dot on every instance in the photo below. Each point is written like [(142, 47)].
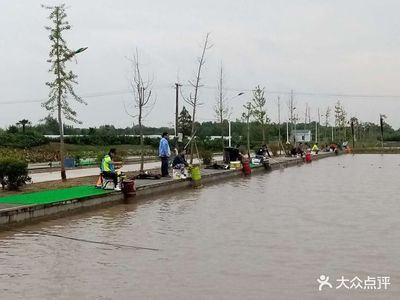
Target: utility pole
[(305, 118), (291, 107), (319, 120), (316, 127), (279, 119), (381, 118), (177, 85), (291, 112), (287, 132)]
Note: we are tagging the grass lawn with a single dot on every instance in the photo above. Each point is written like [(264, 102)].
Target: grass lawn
[(50, 152)]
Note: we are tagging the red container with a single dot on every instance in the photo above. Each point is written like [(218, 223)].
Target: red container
[(246, 167), (308, 157), (128, 187)]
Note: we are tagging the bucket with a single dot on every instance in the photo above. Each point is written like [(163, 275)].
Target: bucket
[(196, 174), (308, 157), (128, 187), (235, 165)]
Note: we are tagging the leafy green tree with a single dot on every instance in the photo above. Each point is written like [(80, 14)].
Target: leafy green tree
[(12, 129), (185, 122), (63, 82)]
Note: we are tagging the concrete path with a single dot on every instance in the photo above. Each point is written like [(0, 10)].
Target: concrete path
[(76, 173)]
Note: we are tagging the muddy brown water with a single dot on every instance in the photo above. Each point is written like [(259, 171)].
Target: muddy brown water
[(265, 237)]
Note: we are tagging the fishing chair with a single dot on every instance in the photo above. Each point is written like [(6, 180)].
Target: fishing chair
[(103, 182)]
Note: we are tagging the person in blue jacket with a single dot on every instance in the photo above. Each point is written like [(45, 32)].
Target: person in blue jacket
[(164, 153)]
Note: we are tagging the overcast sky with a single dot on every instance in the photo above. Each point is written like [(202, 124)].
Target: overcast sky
[(325, 50)]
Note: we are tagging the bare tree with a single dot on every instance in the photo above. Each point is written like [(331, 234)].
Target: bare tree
[(142, 94), (221, 107), (193, 100), (292, 116)]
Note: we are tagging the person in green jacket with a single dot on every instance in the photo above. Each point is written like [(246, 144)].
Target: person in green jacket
[(108, 167)]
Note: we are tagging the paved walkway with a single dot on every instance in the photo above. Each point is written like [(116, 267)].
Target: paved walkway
[(76, 173)]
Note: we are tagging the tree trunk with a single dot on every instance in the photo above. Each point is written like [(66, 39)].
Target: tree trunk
[(192, 138), (62, 150), (222, 131), (141, 135), (248, 137), (263, 133), (60, 124), (196, 89)]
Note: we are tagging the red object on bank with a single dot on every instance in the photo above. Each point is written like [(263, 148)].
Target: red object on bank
[(128, 187), (246, 166), (308, 156)]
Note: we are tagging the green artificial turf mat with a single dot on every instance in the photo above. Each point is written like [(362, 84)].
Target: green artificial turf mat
[(54, 195)]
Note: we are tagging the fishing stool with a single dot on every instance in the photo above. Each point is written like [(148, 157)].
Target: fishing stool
[(103, 182)]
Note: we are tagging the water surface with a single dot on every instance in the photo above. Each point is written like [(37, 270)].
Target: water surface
[(265, 237)]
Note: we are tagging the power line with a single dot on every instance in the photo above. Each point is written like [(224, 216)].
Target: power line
[(125, 92)]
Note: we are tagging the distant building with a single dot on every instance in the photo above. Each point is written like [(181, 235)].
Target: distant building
[(303, 136)]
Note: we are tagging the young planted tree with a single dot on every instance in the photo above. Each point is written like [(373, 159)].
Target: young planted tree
[(246, 115), (193, 100), (221, 108), (259, 111), (340, 119), (63, 84), (142, 101), (327, 116)]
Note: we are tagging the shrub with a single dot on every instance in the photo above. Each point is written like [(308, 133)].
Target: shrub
[(19, 140), (275, 148), (13, 173), (207, 156)]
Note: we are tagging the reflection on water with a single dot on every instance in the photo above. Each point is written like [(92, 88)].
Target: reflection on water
[(266, 237)]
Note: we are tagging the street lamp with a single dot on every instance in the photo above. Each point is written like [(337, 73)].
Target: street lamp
[(71, 54), (229, 121)]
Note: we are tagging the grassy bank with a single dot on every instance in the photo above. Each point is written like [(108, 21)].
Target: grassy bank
[(50, 152)]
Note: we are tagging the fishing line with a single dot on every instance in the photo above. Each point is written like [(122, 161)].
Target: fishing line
[(45, 233)]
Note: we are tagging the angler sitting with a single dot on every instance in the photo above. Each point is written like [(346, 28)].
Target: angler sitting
[(263, 153), (108, 167), (180, 163)]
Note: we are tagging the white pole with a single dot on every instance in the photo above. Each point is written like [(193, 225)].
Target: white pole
[(229, 122), (316, 132), (287, 132)]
